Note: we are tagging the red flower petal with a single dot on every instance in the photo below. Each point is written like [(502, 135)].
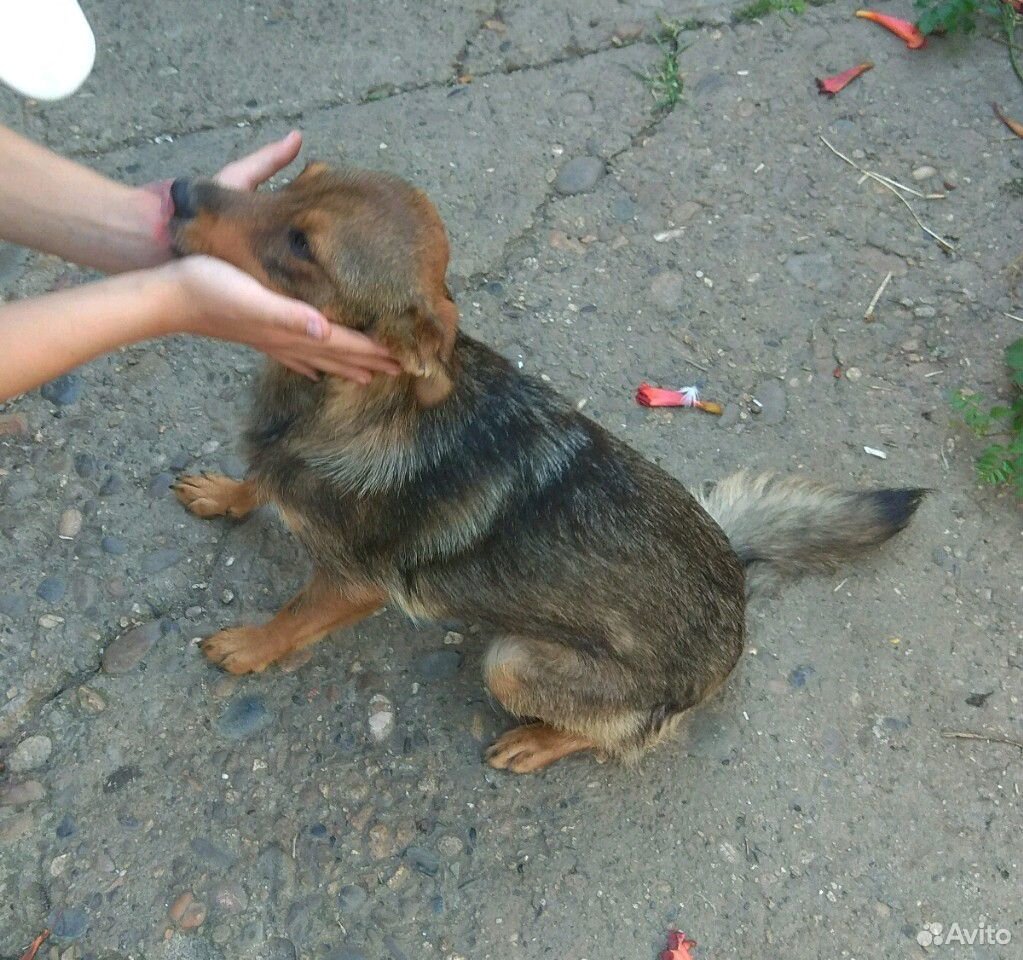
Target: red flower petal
[(678, 947), (647, 396), (832, 85), (901, 28)]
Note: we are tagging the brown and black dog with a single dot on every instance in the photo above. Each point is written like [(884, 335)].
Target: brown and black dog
[(464, 490)]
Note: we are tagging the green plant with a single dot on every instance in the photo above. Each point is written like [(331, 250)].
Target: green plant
[(1000, 463), (758, 9), (949, 16), (666, 82)]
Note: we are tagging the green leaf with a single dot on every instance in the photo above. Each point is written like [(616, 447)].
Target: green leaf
[(1014, 355)]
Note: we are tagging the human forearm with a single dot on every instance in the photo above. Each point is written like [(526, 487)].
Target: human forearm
[(53, 204), (46, 336)]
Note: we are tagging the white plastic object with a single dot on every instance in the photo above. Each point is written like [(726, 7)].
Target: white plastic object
[(47, 47)]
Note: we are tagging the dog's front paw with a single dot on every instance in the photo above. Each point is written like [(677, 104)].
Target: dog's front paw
[(238, 650), (209, 495)]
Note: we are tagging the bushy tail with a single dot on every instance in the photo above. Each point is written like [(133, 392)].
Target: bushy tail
[(781, 526)]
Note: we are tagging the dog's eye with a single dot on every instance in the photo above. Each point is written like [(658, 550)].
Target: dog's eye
[(298, 243)]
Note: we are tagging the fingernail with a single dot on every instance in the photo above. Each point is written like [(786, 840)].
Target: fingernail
[(317, 328)]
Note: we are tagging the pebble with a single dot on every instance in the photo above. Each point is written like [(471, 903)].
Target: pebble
[(126, 652), (439, 664), (68, 924), (85, 465), (212, 855), (187, 912), (160, 560), (352, 897), (230, 897), (114, 546), (381, 717), (666, 290), (925, 312), (49, 620), (13, 425), (84, 592), (854, 374), (799, 676), (91, 701), (579, 175), (924, 173), (31, 753), (423, 860), (450, 846), (244, 716), (623, 208), (16, 794), (52, 589), (13, 604), (63, 391), (66, 829), (772, 399), (70, 524), (381, 841), (815, 270), (624, 32)]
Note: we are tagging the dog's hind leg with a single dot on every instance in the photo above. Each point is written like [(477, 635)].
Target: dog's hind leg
[(580, 703), (321, 607), (214, 495)]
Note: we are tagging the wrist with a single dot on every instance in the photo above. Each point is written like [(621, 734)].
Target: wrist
[(154, 209), (174, 304)]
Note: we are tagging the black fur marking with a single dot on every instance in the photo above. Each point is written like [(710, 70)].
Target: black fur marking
[(897, 507)]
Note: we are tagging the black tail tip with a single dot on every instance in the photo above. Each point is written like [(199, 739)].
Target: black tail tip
[(897, 507)]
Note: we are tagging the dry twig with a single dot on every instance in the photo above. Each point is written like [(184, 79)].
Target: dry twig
[(989, 738)]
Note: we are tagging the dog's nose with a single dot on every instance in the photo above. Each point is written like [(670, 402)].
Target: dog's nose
[(182, 197)]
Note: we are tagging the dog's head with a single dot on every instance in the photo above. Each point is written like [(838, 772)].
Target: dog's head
[(366, 249)]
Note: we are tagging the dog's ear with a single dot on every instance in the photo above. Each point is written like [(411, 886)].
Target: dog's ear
[(423, 344), (311, 170)]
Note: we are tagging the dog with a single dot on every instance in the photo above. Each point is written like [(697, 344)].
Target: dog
[(463, 490)]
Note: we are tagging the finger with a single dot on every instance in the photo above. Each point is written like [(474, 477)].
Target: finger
[(249, 172), (298, 366)]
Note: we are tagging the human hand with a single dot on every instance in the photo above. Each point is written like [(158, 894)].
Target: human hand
[(212, 298)]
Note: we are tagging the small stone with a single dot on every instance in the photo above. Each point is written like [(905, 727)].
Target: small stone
[(352, 897), (910, 346), (212, 855), (84, 592), (63, 391), (85, 465), (625, 32), (772, 401), (126, 652), (18, 794), (812, 269), (115, 546), (924, 173), (381, 841), (439, 664), (68, 924), (230, 897), (666, 290), (49, 620), (113, 484), (579, 175), (90, 700), (31, 753), (52, 589), (66, 829), (160, 560), (193, 917), (381, 717), (70, 524), (452, 637), (450, 846), (13, 425), (423, 860), (924, 312), (244, 716), (799, 676), (180, 905), (854, 374)]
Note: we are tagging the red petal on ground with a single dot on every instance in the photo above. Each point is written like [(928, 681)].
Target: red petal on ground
[(832, 85), (901, 28)]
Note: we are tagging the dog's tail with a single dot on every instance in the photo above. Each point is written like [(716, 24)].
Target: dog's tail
[(790, 526)]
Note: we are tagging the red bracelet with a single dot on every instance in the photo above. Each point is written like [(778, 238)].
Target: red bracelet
[(161, 231)]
